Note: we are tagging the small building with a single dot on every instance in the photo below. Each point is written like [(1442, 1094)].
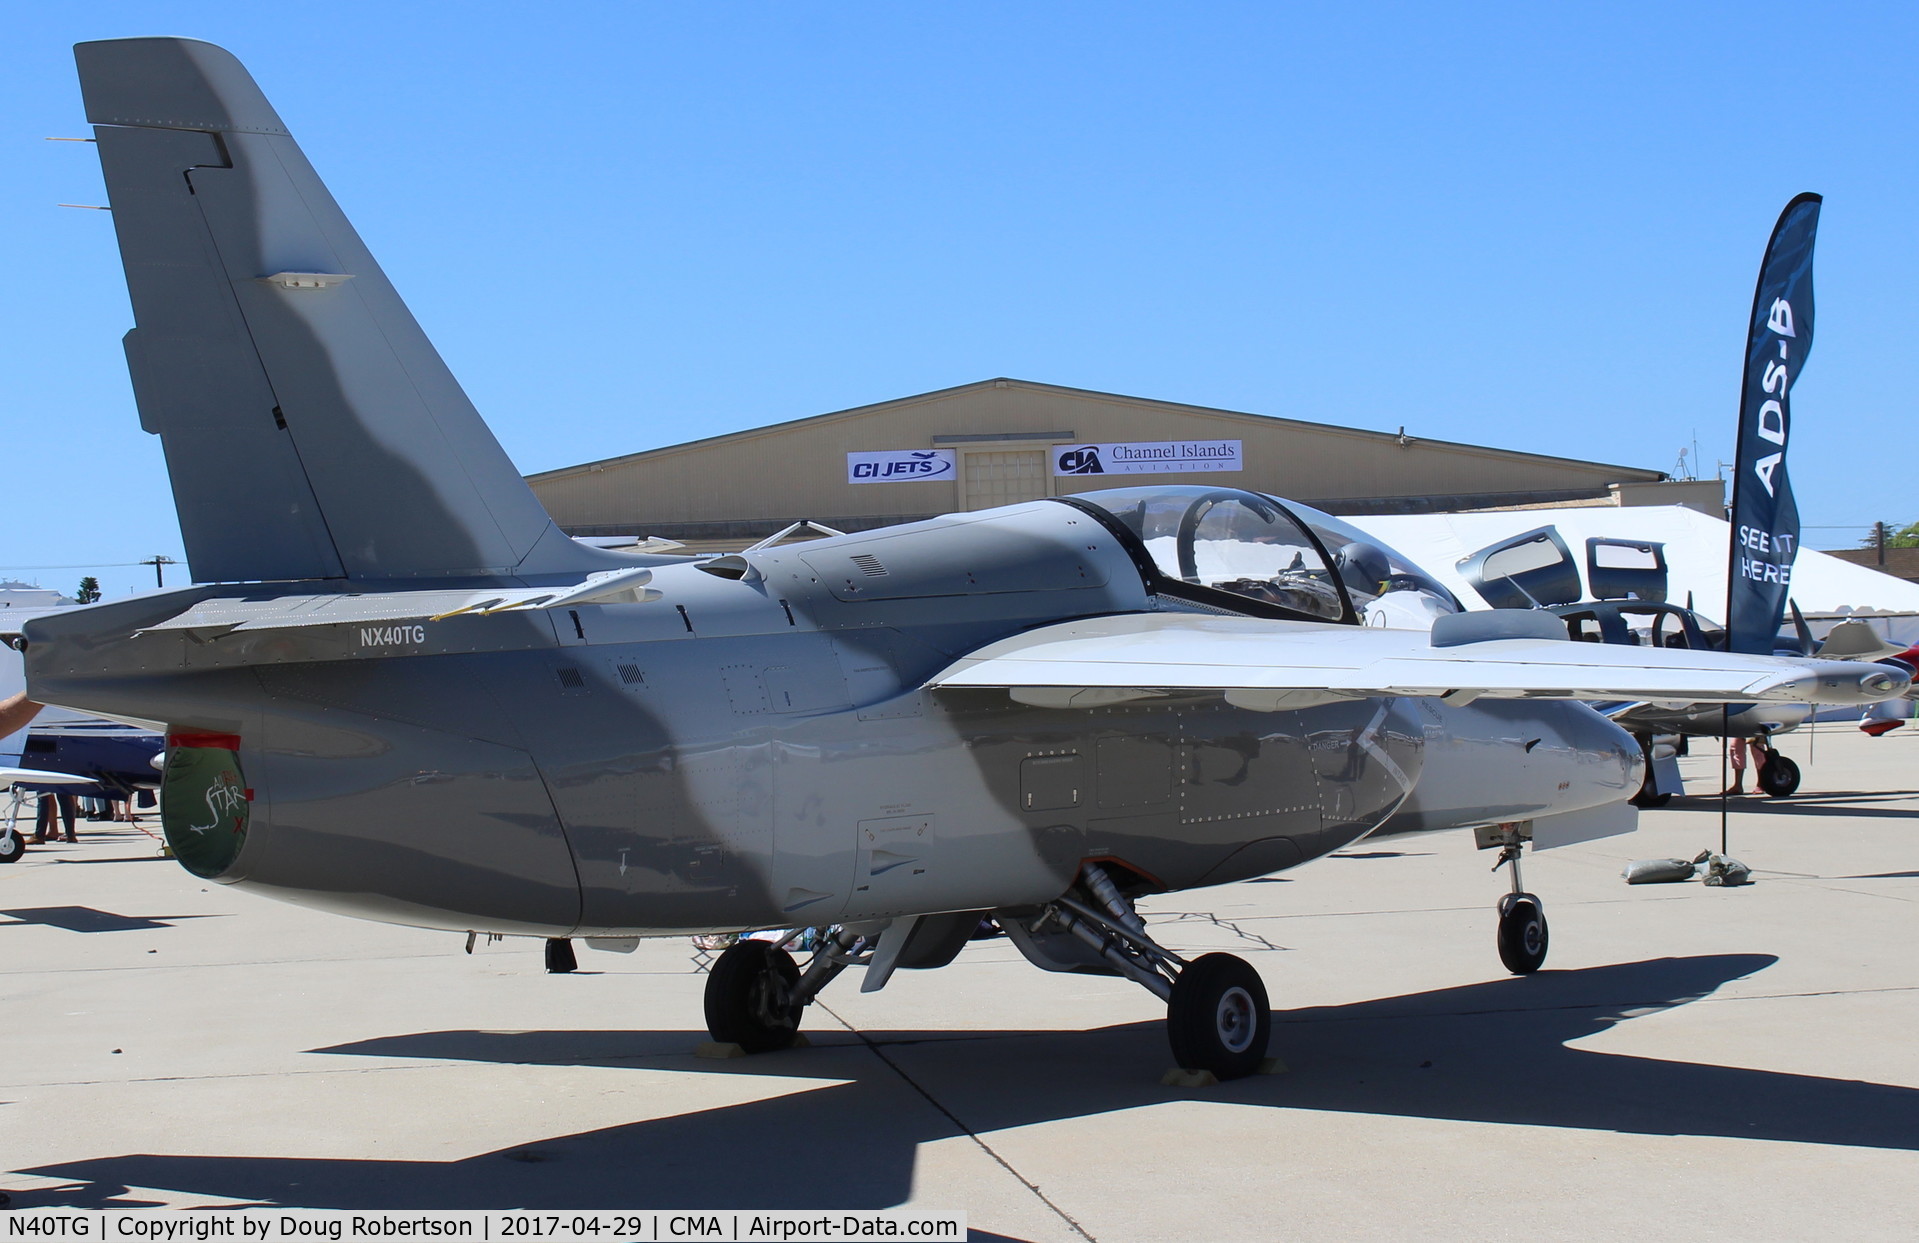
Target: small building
[(1000, 441), (1898, 562)]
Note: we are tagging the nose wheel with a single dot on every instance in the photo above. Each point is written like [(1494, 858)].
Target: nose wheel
[(1522, 933)]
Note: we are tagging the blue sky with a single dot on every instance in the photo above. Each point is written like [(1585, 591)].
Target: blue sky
[(1533, 226)]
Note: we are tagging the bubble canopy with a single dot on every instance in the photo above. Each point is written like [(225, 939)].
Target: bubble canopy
[(1229, 550)]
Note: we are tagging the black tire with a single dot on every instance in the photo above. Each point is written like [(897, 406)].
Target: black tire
[(1218, 1018), (1522, 934), (560, 958), (1647, 797), (747, 997), (1778, 776), (12, 846)]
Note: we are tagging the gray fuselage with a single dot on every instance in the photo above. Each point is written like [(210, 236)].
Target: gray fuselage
[(756, 748)]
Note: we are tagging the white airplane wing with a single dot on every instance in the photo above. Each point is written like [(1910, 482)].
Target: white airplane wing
[(10, 777), (1278, 665)]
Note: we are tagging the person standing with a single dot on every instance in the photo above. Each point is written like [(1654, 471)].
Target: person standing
[(1736, 752), (55, 810)]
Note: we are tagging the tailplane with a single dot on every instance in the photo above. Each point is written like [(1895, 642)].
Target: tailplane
[(311, 429)]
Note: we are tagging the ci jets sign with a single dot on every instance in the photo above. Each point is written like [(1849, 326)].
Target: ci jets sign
[(1148, 457), (901, 466)]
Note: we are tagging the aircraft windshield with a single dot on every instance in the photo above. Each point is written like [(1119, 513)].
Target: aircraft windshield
[(1231, 541), (1386, 588)]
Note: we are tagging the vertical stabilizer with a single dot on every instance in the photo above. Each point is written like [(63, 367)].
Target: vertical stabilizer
[(311, 430)]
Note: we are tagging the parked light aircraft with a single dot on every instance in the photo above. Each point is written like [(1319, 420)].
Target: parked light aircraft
[(1625, 603), (398, 691)]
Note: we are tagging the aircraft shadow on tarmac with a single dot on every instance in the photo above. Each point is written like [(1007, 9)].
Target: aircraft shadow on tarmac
[(1827, 803), (93, 919), (1487, 1052)]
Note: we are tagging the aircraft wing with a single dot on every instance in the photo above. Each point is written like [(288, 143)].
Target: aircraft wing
[(1279, 665), (10, 777)]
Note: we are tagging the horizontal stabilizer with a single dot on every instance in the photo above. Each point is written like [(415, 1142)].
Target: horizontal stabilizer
[(1282, 665), (311, 430), (214, 617)]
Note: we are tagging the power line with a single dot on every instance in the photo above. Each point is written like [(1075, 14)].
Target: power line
[(90, 565)]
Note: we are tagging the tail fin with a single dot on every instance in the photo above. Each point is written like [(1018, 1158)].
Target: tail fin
[(311, 430)]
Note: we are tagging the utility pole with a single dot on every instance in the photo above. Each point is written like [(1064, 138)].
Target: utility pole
[(1879, 540), (159, 574)]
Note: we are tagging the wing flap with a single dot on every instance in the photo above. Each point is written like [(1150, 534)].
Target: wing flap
[(1174, 652)]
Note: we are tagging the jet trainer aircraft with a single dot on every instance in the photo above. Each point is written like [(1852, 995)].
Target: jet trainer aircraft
[(399, 691)]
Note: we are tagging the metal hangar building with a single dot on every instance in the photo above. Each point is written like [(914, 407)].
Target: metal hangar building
[(1000, 441)]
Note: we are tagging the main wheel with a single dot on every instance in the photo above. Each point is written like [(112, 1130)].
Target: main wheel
[(1522, 934), (749, 997), (1217, 1018), (12, 846), (1647, 796), (1778, 776)]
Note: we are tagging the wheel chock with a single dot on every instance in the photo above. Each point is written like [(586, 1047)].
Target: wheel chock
[(1180, 1077), (1272, 1066), (721, 1049)]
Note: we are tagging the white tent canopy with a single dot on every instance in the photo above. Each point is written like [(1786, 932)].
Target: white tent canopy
[(1696, 546)]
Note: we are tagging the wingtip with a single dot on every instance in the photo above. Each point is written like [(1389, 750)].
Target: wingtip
[(171, 83)]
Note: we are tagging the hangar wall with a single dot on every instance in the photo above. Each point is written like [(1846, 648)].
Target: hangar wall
[(999, 442)]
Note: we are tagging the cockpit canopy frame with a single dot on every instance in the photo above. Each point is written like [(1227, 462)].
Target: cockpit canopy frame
[(1238, 551)]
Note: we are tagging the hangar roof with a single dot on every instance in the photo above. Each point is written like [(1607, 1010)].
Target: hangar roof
[(1400, 438), (994, 437)]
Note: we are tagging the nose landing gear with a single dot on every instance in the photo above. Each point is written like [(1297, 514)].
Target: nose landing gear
[(1522, 917)]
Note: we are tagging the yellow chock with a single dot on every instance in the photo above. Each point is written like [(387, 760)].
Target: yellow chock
[(800, 1041), (1180, 1077), (719, 1049), (1272, 1066)]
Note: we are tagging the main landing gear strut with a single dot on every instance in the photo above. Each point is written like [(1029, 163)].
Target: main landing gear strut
[(1217, 1015), (1522, 918), (756, 993)]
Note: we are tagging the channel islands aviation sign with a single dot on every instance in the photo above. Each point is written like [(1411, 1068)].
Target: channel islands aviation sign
[(1148, 457)]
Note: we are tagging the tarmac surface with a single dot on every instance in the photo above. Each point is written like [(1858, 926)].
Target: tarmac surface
[(1712, 1063)]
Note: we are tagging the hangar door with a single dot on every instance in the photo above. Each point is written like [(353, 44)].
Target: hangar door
[(1003, 477)]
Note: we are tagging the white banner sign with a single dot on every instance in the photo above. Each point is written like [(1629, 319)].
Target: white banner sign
[(1147, 457), (901, 466)]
